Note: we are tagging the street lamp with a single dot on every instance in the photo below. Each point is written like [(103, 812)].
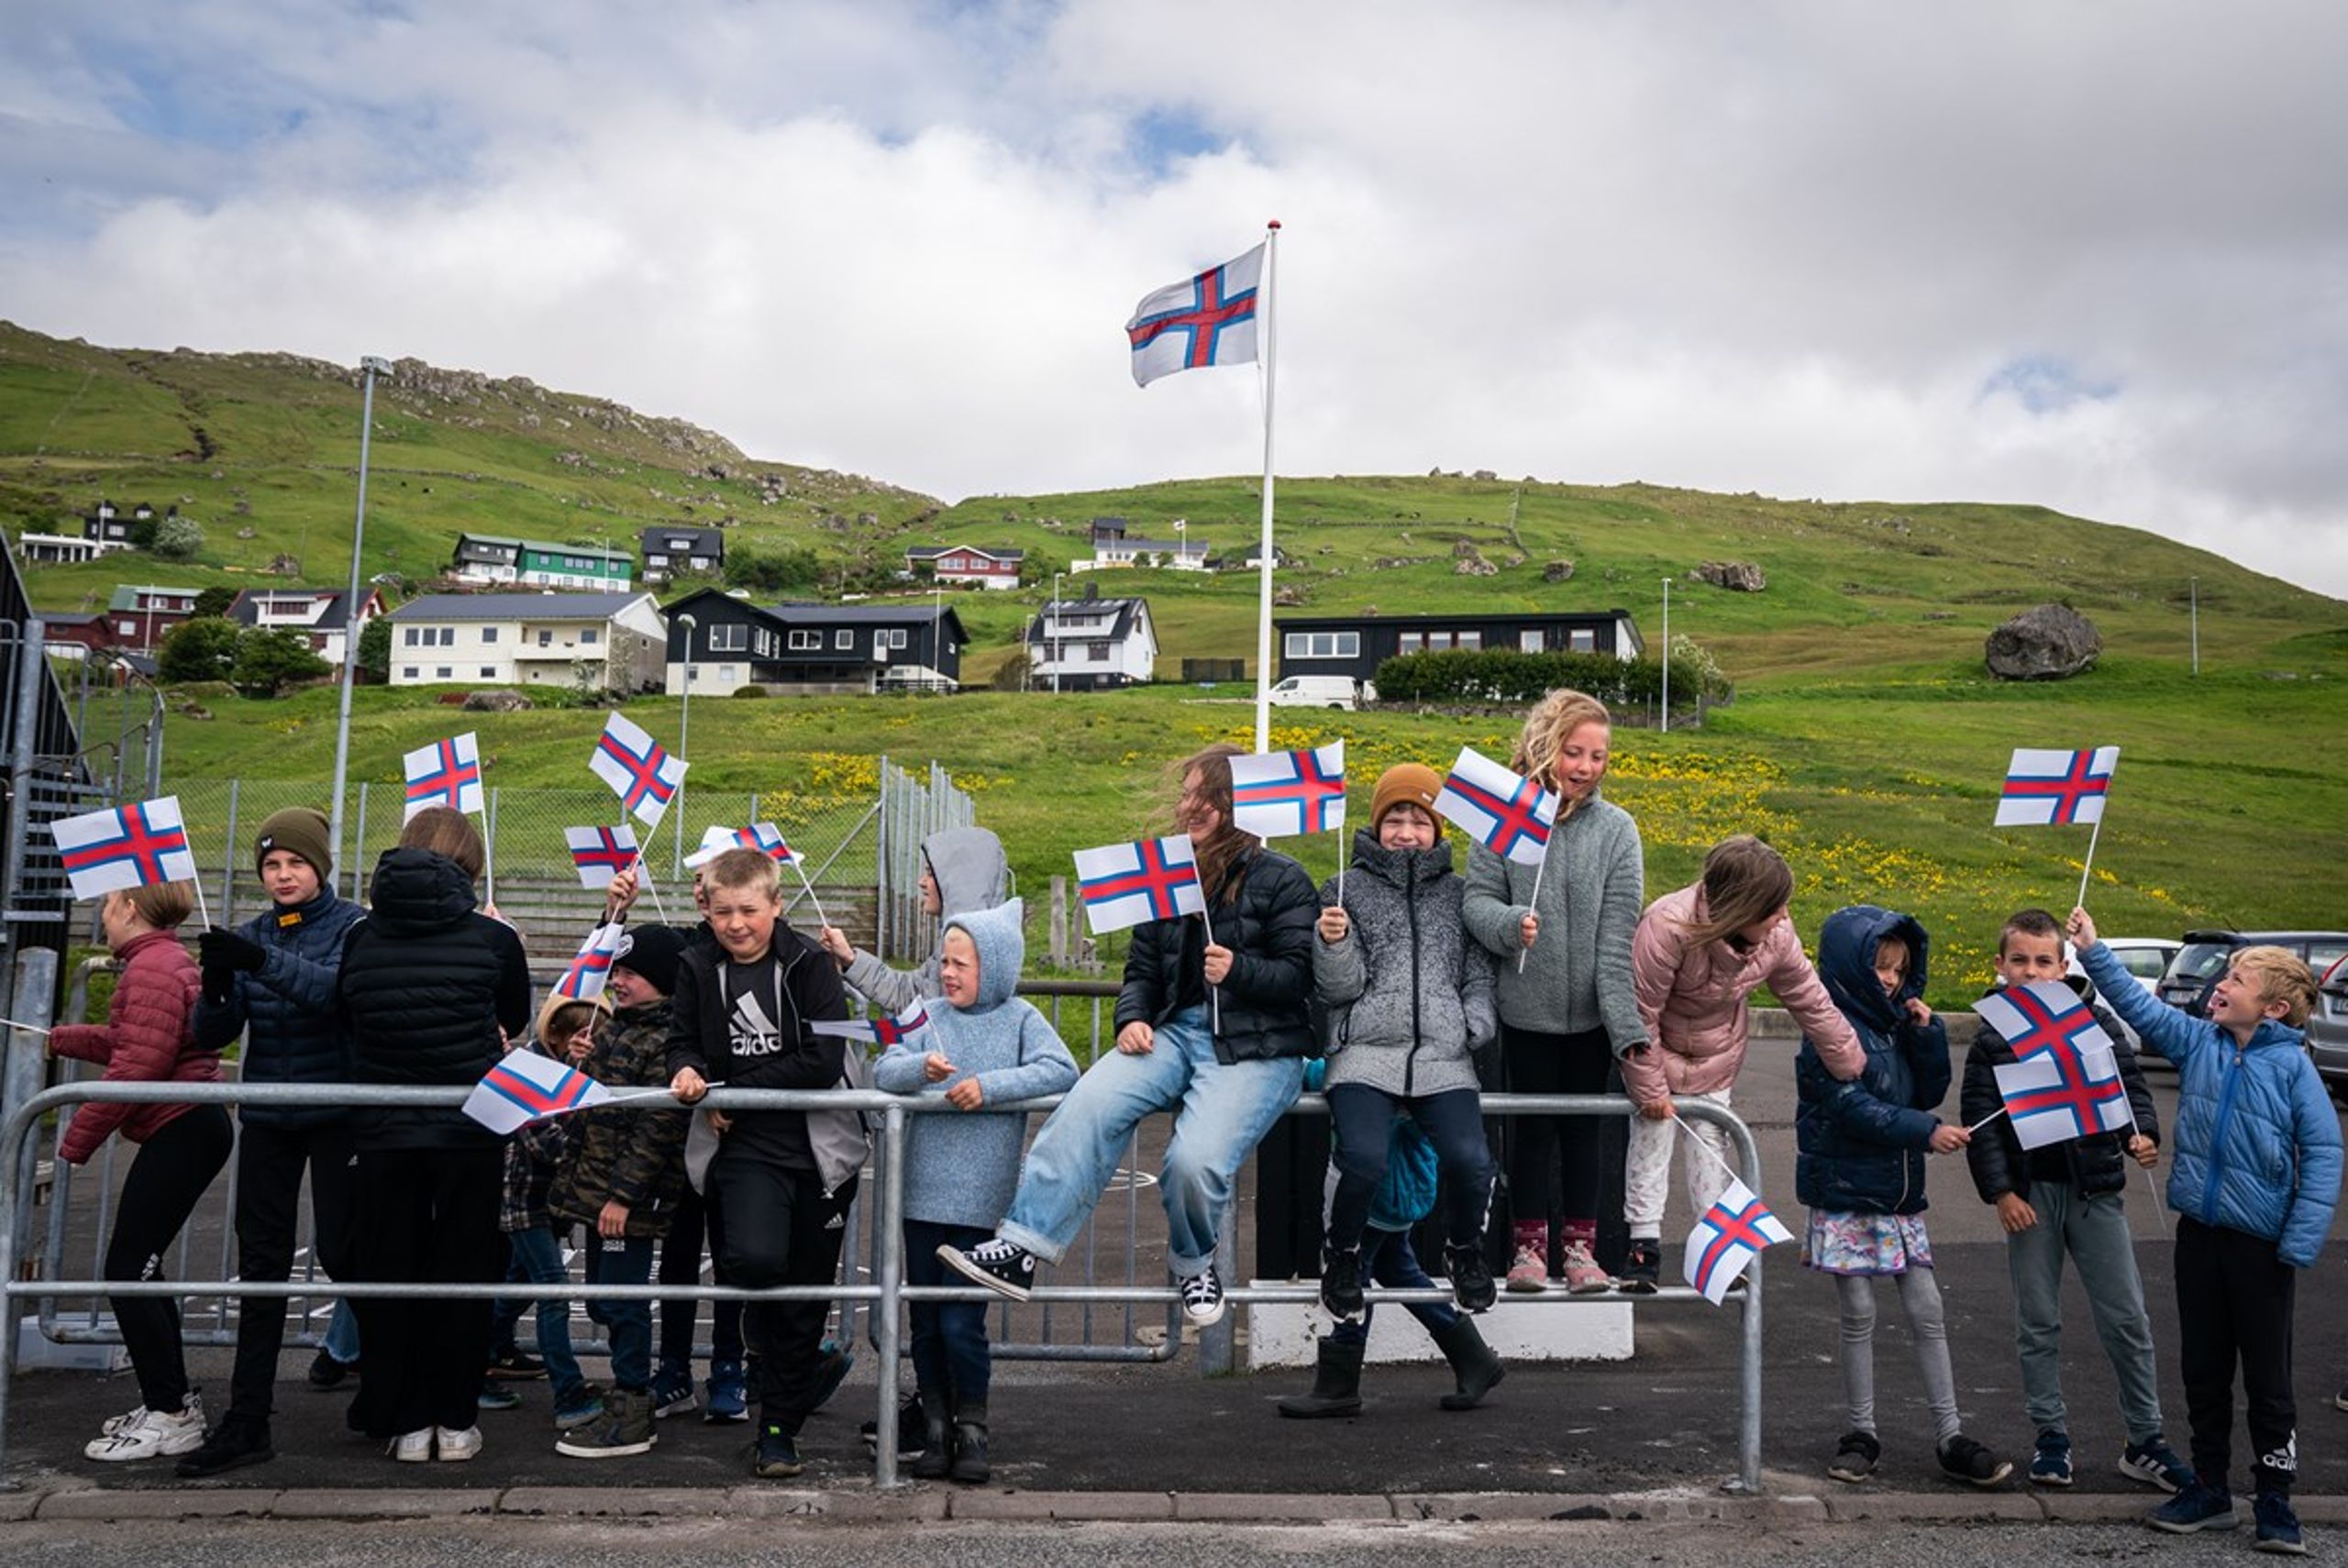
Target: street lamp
[(1666, 653), (684, 727), (1053, 611), (369, 367)]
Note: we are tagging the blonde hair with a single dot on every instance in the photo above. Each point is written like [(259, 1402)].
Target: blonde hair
[(163, 905), (2283, 977), (1744, 881), (740, 870), (448, 834), (1553, 719), (1220, 854)]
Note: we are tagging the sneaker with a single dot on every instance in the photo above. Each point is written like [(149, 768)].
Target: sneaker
[(1472, 1289), (155, 1434), (2278, 1526), (130, 1417), (832, 1367), (516, 1367), (1961, 1459), (496, 1397), (327, 1374), (1643, 1267), (729, 1392), (1203, 1301), (778, 1455), (412, 1448), (586, 1413), (1528, 1272), (1340, 1282), (2339, 1400), (456, 1446), (1583, 1277), (2198, 1506), (994, 1262), (1855, 1457), (240, 1439), (2155, 1463), (626, 1428), (673, 1392), (2050, 1464), (910, 1419)]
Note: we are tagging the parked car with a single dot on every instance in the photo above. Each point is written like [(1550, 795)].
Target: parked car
[(1323, 692), (2147, 958), (2197, 969), (2328, 1029)]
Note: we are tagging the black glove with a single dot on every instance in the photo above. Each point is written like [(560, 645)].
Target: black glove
[(219, 987), (218, 949)]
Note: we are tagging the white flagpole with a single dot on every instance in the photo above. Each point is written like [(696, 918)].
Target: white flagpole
[(2088, 869), (644, 880), (1264, 563), (1524, 953), (821, 918), (1985, 1120), (488, 858), (202, 914)]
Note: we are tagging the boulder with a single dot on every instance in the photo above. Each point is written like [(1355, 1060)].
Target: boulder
[(1558, 571), (1474, 565), (2053, 642), (497, 700), (1737, 577)]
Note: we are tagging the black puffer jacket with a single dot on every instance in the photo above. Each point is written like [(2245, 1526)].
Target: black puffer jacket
[(426, 983), (286, 1009), (1996, 1157), (1268, 925)]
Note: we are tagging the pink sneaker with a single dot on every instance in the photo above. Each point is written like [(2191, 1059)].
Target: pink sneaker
[(1583, 1277), (1529, 1273)]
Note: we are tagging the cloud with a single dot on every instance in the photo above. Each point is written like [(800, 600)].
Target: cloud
[(2084, 257)]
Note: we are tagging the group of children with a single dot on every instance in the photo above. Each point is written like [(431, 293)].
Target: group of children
[(1398, 974)]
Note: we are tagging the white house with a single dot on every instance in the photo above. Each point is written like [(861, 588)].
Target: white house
[(613, 642), (1113, 545), (1088, 643), (317, 613)]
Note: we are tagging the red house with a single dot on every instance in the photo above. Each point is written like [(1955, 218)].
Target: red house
[(967, 563)]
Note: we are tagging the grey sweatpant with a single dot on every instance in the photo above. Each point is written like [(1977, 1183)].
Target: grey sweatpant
[(2094, 1231)]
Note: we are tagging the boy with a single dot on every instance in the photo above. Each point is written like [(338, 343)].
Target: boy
[(2255, 1178), (783, 1178), (271, 980), (621, 1174), (536, 1237), (2067, 1198), (983, 1047)]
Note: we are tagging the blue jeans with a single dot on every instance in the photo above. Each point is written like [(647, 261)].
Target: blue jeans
[(1388, 1259), (1224, 1109), (951, 1365), (342, 1333), (1362, 1122), (537, 1259), (623, 1261)]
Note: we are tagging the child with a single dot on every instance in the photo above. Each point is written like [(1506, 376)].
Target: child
[(271, 980), (1410, 998), (983, 1047), (621, 1176), (1698, 956), (2255, 1176), (1406, 1197), (148, 1037), (783, 1178), (1861, 1171), (962, 871), (2066, 1198)]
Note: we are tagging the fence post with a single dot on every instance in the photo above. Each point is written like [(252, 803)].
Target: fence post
[(21, 1076), (359, 841), (1216, 1340), (229, 864), (880, 868), (1059, 923)]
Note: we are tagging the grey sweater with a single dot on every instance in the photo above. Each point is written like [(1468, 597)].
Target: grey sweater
[(1593, 886), (1412, 994)]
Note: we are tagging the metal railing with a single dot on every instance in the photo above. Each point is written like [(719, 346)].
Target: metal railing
[(885, 1298)]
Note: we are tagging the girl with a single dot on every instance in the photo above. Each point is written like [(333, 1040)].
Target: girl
[(1696, 957), (1571, 1009), (148, 1036), (1861, 1171), (1228, 1074)]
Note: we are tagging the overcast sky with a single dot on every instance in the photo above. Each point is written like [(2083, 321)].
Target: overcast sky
[(2091, 255)]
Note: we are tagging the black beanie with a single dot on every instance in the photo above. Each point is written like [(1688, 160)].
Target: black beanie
[(651, 951), (303, 831)]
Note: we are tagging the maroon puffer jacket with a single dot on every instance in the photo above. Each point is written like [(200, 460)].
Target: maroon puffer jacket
[(149, 1035)]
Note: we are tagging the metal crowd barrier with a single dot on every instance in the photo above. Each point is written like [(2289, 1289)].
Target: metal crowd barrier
[(885, 1298)]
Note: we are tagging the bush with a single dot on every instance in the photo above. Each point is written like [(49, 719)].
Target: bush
[(268, 662), (1507, 676), (375, 650), (178, 538), (748, 691), (203, 649), (781, 572)]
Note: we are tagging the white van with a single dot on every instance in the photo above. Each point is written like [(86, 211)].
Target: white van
[(1323, 692)]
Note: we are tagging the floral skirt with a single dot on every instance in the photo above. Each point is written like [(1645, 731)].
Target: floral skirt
[(1865, 1243)]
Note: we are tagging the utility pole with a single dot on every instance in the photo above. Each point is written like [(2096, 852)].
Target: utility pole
[(1666, 653)]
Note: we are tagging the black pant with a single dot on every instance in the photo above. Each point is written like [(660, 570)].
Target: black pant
[(270, 1161), (1553, 1161), (781, 1229), (167, 1178), (1362, 1120), (680, 1252), (426, 1216), (952, 1366), (2233, 1303)]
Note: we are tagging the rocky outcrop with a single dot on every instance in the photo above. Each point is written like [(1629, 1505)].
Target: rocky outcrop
[(2053, 642), (1737, 577), (497, 700)]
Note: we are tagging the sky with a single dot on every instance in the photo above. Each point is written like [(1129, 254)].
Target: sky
[(2092, 256)]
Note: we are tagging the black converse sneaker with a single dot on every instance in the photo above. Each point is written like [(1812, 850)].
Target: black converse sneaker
[(1341, 1281), (1203, 1301), (994, 1262)]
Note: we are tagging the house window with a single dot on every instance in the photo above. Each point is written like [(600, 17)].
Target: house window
[(1471, 640), (896, 637), (729, 638), (448, 636), (843, 639), (409, 641), (1528, 641), (488, 635), (128, 628), (442, 673), (407, 672), (545, 638), (586, 636), (1411, 642), (489, 673), (1096, 650), (1584, 640), (805, 642), (1324, 644)]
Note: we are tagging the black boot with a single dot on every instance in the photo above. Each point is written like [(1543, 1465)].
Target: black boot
[(1337, 1384), (1478, 1370), (936, 1442), (969, 1445)]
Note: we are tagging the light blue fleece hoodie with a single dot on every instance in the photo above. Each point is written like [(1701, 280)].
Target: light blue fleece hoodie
[(961, 1167)]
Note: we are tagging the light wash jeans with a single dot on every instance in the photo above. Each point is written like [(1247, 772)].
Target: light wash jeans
[(2094, 1231), (342, 1333), (1225, 1112)]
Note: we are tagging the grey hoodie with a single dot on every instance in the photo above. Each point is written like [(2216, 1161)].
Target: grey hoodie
[(1412, 991), (970, 872), (961, 1167)]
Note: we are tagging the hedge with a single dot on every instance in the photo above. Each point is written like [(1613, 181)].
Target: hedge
[(1506, 675)]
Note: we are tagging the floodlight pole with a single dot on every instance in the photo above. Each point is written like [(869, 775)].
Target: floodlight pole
[(369, 367), (1666, 653)]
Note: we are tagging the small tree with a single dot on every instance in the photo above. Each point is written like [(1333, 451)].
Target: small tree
[(268, 662), (204, 649), (375, 650), (213, 602), (177, 538)]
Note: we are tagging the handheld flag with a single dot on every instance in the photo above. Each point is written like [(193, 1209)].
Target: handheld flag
[(638, 768), (1506, 812), (525, 1086), (446, 773), (601, 852), (1128, 884), (583, 981), (1735, 1231), (880, 1030), (1279, 794), (2065, 1081), (2050, 788), (126, 847), (764, 837), (1207, 320)]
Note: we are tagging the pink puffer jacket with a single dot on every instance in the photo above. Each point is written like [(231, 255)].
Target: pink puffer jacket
[(1692, 1000), (148, 1034)]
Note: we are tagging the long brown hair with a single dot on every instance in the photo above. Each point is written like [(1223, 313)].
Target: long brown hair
[(1554, 718), (1220, 854), (1744, 881)]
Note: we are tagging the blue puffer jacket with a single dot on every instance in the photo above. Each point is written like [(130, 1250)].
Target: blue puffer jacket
[(2257, 1144), (286, 1010), (1863, 1143)]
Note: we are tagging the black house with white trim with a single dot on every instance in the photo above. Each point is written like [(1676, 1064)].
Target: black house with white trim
[(890, 645), (1355, 645)]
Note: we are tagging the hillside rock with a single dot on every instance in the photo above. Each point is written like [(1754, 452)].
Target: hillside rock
[(497, 700), (1737, 577), (1469, 561), (1558, 571), (2053, 642)]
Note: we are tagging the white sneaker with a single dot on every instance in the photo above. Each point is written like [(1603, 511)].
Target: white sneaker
[(131, 1416), (1203, 1301), (456, 1445), (155, 1434), (413, 1448)]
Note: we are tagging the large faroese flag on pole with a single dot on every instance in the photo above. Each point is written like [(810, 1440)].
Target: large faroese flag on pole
[(1207, 320)]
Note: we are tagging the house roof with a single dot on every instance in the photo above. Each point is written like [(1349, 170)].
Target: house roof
[(931, 552), (683, 537), (125, 597), (902, 612), (1127, 610), (515, 607), (245, 609), (548, 547), (1526, 618)]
